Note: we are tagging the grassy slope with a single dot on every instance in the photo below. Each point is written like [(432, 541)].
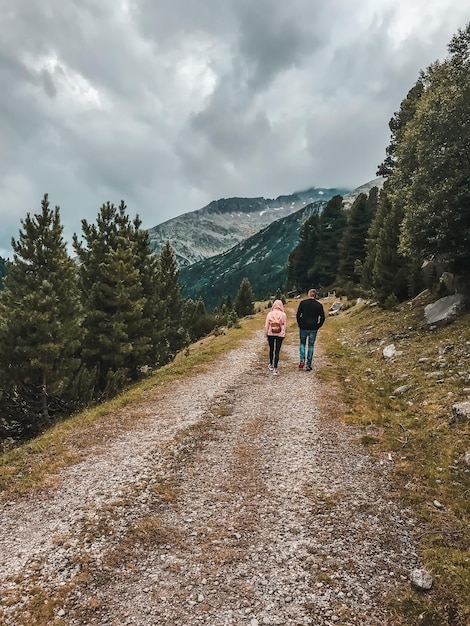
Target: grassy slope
[(414, 426)]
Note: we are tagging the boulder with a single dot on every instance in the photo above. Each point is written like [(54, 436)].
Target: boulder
[(445, 310), (335, 308)]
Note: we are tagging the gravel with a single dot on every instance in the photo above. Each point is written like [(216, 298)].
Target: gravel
[(239, 498)]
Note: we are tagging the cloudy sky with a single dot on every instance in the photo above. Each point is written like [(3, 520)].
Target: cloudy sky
[(169, 104)]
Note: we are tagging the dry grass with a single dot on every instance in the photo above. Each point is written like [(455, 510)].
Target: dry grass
[(413, 425)]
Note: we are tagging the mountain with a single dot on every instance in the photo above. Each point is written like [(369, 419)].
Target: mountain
[(262, 258), (350, 196), (224, 223)]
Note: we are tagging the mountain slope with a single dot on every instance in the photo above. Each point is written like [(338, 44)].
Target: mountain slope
[(262, 258), (224, 223)]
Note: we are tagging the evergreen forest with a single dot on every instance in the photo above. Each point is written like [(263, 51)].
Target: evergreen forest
[(74, 331), (416, 232)]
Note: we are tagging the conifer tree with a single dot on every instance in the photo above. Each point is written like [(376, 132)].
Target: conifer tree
[(435, 183), (116, 344), (170, 293), (40, 310), (352, 249), (148, 265), (331, 226), (397, 126), (302, 258), (244, 302), (390, 270), (372, 237), (3, 271)]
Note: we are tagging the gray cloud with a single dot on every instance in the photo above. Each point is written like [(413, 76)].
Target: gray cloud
[(171, 104)]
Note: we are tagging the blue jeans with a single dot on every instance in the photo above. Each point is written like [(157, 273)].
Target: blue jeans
[(310, 336)]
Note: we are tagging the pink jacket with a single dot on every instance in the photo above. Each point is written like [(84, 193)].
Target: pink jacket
[(276, 314)]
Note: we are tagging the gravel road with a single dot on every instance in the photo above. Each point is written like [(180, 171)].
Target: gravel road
[(239, 498)]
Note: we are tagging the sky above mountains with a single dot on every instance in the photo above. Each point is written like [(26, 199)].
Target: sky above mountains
[(171, 104)]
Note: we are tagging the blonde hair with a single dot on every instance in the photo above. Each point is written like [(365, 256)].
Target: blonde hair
[(312, 293)]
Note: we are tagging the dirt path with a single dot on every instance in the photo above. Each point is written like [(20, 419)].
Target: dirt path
[(239, 500)]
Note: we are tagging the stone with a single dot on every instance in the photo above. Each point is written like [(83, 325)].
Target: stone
[(335, 308), (461, 412), (390, 351), (445, 310), (403, 389), (421, 579)]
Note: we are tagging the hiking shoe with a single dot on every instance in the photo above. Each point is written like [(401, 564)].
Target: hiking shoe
[(301, 365), (308, 368), (270, 367), (275, 373)]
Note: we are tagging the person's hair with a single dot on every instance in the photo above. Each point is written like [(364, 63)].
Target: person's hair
[(312, 293)]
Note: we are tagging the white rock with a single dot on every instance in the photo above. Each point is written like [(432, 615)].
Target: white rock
[(389, 351), (421, 579)]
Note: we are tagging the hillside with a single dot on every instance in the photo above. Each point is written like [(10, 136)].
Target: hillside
[(224, 223), (215, 493), (261, 258)]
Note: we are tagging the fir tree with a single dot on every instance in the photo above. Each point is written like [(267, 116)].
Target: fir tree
[(244, 302), (40, 311)]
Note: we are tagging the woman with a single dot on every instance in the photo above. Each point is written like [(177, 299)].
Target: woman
[(275, 328)]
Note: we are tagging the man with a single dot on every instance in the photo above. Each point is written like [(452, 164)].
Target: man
[(310, 317)]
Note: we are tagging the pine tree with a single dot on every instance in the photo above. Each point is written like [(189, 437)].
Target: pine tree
[(244, 302), (148, 265), (390, 270), (398, 125), (436, 183), (302, 258), (332, 223), (3, 271), (116, 342), (175, 334), (40, 311), (353, 242)]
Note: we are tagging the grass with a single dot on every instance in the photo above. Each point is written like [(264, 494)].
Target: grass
[(404, 406)]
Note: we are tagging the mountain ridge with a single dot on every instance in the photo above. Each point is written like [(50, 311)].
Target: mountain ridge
[(224, 223), (262, 258)]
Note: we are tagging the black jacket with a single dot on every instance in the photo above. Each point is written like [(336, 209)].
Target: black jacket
[(310, 314)]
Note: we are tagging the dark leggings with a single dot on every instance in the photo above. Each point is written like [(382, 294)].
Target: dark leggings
[(275, 344)]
